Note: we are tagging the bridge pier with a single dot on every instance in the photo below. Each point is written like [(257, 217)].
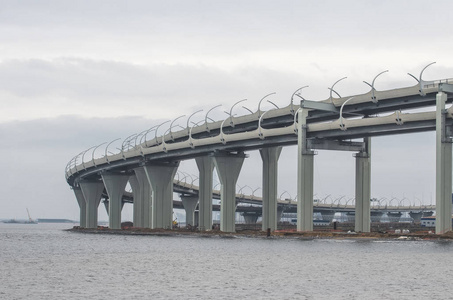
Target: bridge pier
[(205, 166), (138, 201), (228, 167), (327, 215), (270, 158), (394, 216), (376, 216), (189, 203), (160, 178), (443, 168), (251, 217), (305, 160), (144, 191), (92, 192), (115, 185), (363, 188), (82, 205), (417, 216)]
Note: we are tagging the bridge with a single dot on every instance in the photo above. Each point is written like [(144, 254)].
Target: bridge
[(338, 123)]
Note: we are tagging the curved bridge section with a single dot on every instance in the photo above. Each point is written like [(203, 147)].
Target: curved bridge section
[(149, 162)]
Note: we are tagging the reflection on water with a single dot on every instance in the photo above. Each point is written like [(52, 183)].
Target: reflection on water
[(44, 262)]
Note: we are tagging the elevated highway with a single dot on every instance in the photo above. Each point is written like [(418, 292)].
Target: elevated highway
[(149, 163)]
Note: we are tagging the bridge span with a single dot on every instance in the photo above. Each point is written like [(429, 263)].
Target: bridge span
[(338, 123)]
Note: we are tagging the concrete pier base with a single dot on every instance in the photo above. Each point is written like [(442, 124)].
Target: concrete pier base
[(270, 157), (205, 166), (363, 189), (82, 205), (161, 180), (92, 192), (228, 167), (190, 203), (115, 185)]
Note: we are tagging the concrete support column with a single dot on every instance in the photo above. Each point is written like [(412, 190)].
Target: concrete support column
[(417, 216), (161, 180), (279, 214), (363, 189), (270, 174), (82, 205), (251, 217), (327, 215), (144, 207), (394, 216), (115, 185), (376, 216), (138, 201), (443, 168), (190, 203), (205, 166), (305, 160), (228, 168), (92, 192)]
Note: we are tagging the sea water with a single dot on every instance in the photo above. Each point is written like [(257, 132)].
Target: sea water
[(45, 262)]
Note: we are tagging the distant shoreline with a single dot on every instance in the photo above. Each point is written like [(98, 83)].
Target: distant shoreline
[(261, 234)]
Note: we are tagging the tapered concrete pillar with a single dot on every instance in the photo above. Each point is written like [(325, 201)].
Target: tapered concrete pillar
[(305, 159), (363, 189), (92, 192), (115, 185), (327, 215), (270, 174), (161, 180), (394, 216), (376, 216), (144, 191), (228, 168), (82, 205), (251, 217), (137, 209), (417, 216), (205, 166), (443, 168), (190, 203)]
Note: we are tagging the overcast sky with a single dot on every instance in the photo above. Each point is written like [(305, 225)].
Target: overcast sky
[(74, 74)]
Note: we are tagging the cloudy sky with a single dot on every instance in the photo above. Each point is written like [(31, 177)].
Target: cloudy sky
[(74, 74)]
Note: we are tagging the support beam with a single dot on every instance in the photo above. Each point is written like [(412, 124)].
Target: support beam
[(251, 217), (305, 159), (138, 208), (443, 169), (82, 205), (92, 192), (228, 167), (205, 166), (270, 158), (115, 185), (363, 189), (190, 203), (145, 192), (161, 180)]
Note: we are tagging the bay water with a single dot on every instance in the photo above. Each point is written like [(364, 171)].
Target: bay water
[(44, 261)]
